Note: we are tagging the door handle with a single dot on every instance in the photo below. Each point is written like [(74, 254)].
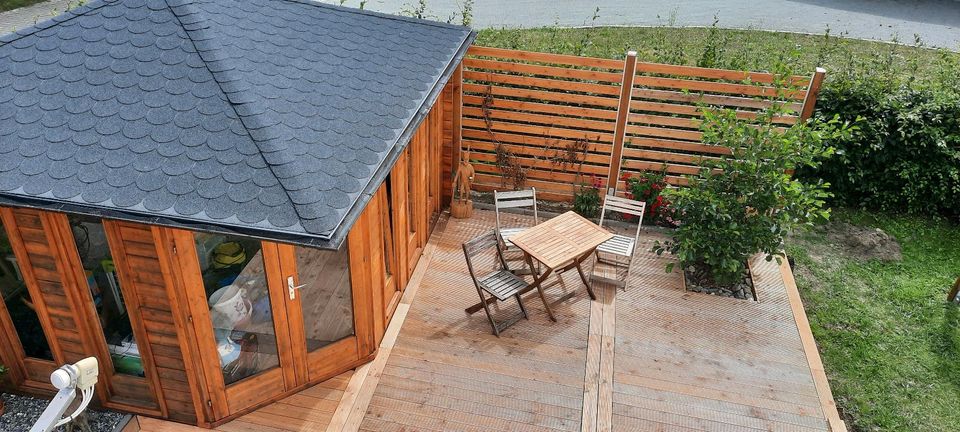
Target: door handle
[(292, 288)]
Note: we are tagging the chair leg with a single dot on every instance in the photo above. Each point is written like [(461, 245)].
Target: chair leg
[(522, 308), (486, 308)]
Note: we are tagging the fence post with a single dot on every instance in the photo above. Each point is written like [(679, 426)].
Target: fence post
[(620, 127), (810, 101)]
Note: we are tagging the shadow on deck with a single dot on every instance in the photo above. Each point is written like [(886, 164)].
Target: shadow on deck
[(650, 357)]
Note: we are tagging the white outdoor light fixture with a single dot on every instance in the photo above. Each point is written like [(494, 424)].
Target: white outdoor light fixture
[(82, 376)]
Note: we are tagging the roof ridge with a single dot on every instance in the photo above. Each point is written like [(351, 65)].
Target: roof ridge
[(210, 56), (67, 15)]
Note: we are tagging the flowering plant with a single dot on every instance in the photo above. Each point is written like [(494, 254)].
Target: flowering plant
[(647, 187), (586, 200)]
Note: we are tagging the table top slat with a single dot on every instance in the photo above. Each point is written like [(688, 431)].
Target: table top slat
[(561, 240)]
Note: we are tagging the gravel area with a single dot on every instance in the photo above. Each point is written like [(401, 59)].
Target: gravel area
[(22, 411)]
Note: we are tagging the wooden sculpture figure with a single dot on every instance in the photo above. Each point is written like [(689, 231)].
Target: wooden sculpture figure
[(462, 206), (464, 180)]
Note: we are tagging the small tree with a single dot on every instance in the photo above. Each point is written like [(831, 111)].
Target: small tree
[(745, 202)]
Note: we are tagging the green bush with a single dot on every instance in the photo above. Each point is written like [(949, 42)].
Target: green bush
[(746, 202), (905, 156)]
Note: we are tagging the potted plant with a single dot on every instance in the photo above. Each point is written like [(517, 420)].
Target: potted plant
[(745, 203)]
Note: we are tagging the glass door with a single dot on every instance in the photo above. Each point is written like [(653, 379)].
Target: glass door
[(242, 329), (319, 302), (270, 318)]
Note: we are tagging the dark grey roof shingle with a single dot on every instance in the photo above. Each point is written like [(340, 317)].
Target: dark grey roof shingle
[(276, 116)]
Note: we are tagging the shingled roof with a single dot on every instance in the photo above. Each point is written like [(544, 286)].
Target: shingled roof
[(276, 118)]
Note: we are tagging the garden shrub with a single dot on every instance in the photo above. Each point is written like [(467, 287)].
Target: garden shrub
[(746, 202), (905, 156)]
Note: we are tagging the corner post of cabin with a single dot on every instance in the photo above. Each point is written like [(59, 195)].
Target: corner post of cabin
[(620, 126), (810, 100), (453, 144)]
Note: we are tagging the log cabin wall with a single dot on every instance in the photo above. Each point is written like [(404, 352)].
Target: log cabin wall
[(147, 291), (31, 247)]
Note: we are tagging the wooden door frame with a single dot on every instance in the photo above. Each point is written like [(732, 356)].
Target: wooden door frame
[(312, 365), (23, 370)]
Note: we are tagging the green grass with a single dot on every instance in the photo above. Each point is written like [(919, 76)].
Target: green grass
[(890, 342), (6, 5), (736, 49)]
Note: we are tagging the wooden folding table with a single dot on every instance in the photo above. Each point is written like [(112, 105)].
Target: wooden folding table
[(559, 244)]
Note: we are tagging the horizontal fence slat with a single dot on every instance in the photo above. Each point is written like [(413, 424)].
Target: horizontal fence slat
[(539, 95), (538, 130), (541, 108), (540, 70), (718, 87), (545, 83), (799, 81)]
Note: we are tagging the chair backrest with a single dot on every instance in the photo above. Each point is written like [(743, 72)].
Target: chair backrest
[(516, 199), (483, 245), (624, 205)]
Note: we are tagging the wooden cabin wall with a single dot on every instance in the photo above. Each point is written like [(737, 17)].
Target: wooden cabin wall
[(147, 291), (38, 268), (381, 235), (451, 104)]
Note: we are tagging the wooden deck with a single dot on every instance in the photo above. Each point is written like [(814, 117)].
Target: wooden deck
[(649, 358)]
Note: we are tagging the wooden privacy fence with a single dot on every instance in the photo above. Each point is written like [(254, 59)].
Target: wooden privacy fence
[(554, 121)]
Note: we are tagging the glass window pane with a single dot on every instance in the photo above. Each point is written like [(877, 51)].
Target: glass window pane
[(18, 303), (239, 300), (104, 285), (325, 297)]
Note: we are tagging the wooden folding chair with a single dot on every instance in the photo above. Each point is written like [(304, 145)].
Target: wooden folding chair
[(614, 256), (514, 199), (500, 282), (523, 199)]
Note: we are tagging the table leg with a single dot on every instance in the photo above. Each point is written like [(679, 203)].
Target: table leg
[(537, 282), (586, 281)]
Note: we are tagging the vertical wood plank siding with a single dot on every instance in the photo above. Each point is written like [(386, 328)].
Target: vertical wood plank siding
[(137, 253)]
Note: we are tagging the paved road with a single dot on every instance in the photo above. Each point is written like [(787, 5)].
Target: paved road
[(936, 21)]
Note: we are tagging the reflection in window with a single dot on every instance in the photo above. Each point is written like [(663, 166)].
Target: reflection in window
[(19, 306), (325, 296), (104, 285), (239, 301)]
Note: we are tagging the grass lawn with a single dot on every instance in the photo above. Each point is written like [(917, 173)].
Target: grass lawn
[(736, 49), (6, 5), (889, 340)]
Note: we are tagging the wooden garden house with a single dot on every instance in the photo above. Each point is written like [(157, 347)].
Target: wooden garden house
[(221, 200)]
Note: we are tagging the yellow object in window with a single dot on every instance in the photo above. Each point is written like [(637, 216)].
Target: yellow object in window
[(228, 254)]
